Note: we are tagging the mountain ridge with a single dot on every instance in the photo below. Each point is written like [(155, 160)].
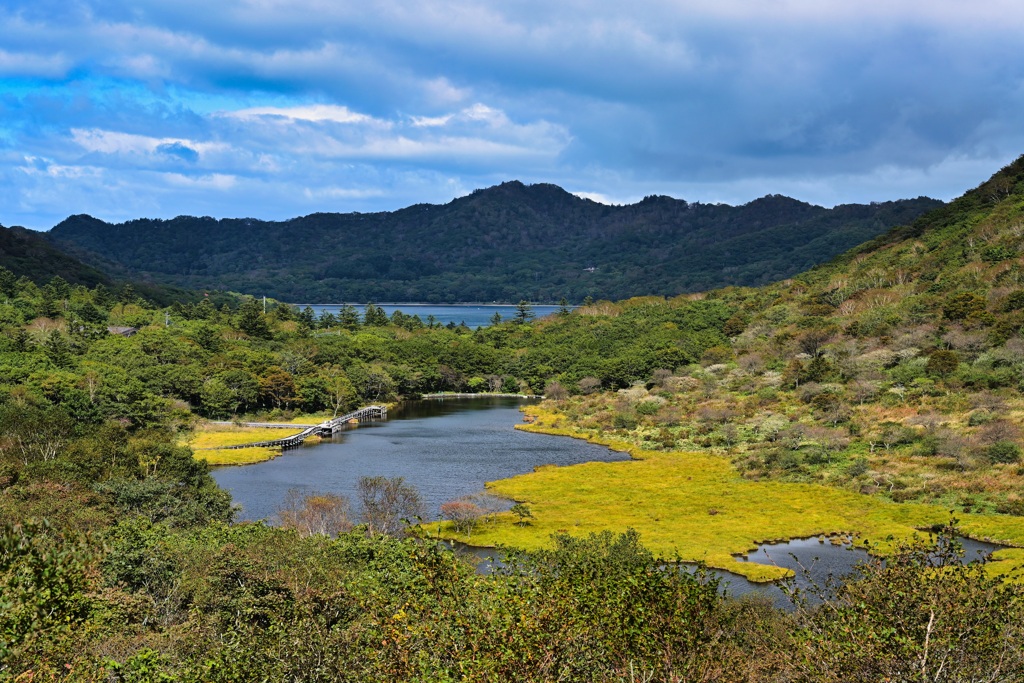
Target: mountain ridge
[(508, 242)]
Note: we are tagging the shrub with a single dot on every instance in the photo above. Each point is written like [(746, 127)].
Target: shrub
[(943, 363), (1003, 452), (463, 514), (625, 421), (648, 407), (858, 467)]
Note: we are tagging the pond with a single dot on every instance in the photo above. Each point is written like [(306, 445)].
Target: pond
[(813, 561), (446, 448)]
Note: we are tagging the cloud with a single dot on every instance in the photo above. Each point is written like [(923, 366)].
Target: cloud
[(319, 105), (315, 112), (25, 64)]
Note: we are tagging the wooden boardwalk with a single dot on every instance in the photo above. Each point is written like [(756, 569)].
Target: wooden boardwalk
[(326, 428)]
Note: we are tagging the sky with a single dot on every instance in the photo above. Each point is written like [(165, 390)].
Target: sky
[(279, 108)]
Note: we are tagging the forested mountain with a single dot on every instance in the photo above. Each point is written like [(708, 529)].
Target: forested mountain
[(27, 253), (505, 243)]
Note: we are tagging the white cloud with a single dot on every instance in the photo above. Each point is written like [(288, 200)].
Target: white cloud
[(315, 112), (213, 181), (430, 121), (114, 142), (598, 197)]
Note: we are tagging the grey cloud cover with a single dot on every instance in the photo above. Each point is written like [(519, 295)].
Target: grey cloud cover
[(273, 109)]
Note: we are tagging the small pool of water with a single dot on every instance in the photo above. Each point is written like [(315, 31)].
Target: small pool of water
[(812, 560)]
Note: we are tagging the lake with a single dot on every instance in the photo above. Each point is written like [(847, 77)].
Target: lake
[(446, 448), (474, 315)]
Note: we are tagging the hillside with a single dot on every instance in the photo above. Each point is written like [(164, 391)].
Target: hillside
[(894, 370), (29, 254), (505, 243)]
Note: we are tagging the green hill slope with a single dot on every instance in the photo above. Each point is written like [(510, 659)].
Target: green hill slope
[(29, 254), (896, 369), (26, 253), (508, 242)]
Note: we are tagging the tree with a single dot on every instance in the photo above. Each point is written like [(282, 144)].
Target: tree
[(963, 305), (522, 511), (32, 434), (327, 514), (7, 282), (555, 391), (374, 316), (348, 317), (43, 580), (463, 514), (57, 349), (524, 313), (307, 315), (386, 502), (563, 307), (218, 400), (943, 363), (251, 319), (341, 393), (278, 387)]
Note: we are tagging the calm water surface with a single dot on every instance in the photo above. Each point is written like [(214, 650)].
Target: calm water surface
[(474, 315), (445, 448)]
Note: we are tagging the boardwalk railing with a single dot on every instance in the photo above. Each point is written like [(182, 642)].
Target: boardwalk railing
[(326, 428)]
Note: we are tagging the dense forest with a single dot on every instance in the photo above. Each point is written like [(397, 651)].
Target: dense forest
[(505, 243), (891, 375), (29, 255)]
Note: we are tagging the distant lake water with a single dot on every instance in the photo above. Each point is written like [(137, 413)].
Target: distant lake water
[(474, 315)]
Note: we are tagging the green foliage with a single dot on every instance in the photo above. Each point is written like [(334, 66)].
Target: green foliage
[(251, 319), (42, 586), (1003, 452)]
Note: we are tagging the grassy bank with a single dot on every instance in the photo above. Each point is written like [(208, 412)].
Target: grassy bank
[(696, 506)]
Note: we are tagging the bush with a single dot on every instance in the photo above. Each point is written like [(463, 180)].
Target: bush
[(858, 467), (625, 421), (648, 407), (1003, 452)]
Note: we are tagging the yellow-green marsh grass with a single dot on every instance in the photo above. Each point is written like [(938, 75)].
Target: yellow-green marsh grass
[(696, 506), (238, 456), (208, 443)]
